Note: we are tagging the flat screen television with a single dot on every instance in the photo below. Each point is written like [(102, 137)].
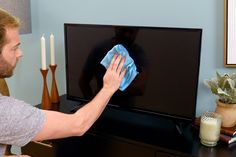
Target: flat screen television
[(167, 60)]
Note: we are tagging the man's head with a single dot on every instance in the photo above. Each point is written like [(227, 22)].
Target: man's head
[(9, 43)]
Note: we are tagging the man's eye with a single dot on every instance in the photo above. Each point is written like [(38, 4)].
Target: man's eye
[(15, 48)]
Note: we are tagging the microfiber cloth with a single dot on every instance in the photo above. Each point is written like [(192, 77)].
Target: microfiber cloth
[(129, 65)]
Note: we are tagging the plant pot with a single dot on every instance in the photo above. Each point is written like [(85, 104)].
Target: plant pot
[(228, 113)]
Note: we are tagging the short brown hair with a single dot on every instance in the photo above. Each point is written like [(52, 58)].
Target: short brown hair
[(6, 21)]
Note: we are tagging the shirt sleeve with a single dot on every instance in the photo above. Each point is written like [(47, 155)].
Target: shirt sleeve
[(19, 121)]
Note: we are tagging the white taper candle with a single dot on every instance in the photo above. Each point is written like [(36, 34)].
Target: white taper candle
[(43, 53), (52, 48)]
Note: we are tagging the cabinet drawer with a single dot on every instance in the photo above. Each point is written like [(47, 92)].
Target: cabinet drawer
[(93, 145)]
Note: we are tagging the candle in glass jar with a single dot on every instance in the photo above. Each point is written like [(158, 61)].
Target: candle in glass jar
[(210, 128), (52, 48), (43, 53)]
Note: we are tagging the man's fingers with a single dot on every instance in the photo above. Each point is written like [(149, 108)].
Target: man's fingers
[(122, 74), (121, 64), (112, 61), (115, 62)]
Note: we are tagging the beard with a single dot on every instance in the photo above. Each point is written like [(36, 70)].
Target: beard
[(6, 70)]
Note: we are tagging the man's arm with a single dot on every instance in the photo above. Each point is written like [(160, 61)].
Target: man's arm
[(60, 125)]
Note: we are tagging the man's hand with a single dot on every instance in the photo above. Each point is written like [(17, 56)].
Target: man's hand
[(114, 74)]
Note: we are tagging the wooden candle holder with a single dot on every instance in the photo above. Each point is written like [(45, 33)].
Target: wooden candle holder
[(46, 102), (54, 92)]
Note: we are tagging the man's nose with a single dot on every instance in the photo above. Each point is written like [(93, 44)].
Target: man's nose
[(20, 54)]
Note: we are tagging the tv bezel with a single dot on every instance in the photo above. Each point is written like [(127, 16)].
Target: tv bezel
[(138, 110)]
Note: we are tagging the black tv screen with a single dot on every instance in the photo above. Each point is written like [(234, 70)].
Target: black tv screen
[(167, 60)]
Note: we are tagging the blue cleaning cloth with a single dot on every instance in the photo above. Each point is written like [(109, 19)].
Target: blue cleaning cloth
[(129, 64)]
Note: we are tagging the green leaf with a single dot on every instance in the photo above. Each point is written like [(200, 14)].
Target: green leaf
[(221, 92), (212, 85), (231, 83), (224, 87)]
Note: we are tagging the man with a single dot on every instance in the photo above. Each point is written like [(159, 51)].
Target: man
[(21, 123)]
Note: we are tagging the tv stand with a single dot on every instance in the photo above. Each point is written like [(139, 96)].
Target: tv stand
[(180, 126), (123, 134)]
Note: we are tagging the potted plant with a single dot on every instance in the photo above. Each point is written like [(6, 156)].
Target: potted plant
[(224, 87)]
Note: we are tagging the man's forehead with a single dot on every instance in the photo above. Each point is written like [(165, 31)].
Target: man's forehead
[(12, 35)]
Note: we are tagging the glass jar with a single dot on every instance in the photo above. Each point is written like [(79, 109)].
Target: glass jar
[(210, 126)]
